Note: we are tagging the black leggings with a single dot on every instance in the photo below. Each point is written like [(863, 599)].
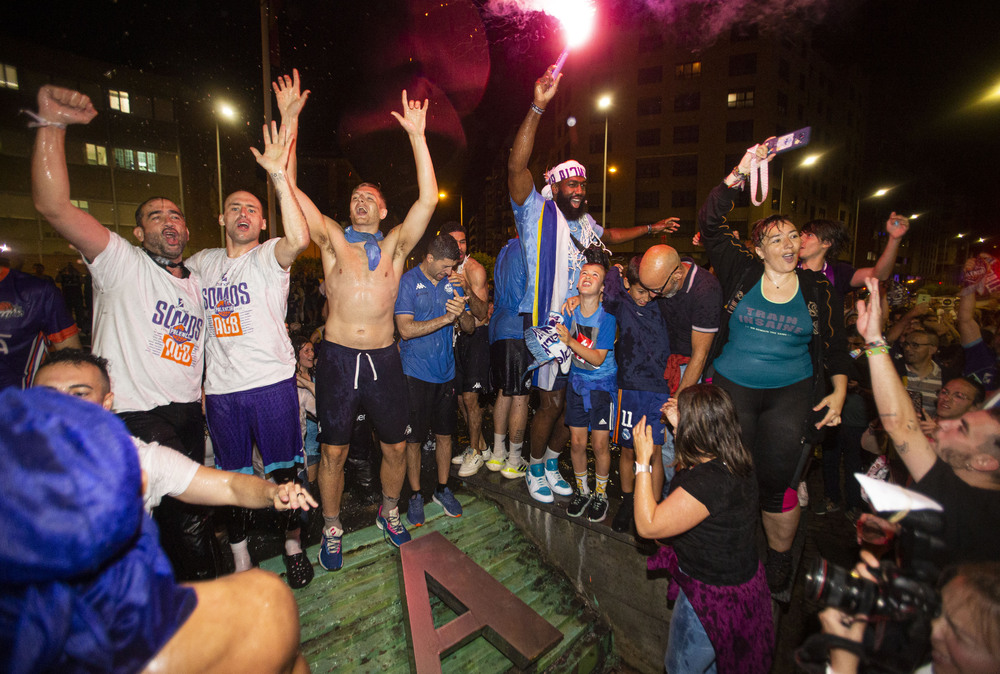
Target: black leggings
[(772, 423)]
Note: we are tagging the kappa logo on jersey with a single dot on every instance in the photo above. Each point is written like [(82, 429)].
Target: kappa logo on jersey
[(421, 286), (8, 310), (182, 332)]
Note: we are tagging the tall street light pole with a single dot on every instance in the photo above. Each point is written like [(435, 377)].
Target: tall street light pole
[(881, 192), (603, 104), (228, 112)]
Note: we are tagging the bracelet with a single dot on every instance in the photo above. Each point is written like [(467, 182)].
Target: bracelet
[(41, 121), (871, 351), (649, 229), (877, 342), (536, 109)]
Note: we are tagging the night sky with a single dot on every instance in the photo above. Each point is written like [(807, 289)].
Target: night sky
[(929, 64)]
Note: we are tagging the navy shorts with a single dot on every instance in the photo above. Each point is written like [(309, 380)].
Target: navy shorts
[(267, 416), (431, 406), (472, 361), (632, 405), (347, 379), (509, 361), (600, 416)]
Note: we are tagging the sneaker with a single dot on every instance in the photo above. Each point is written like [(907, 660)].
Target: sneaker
[(447, 500), (827, 506), (298, 570), (623, 518), (578, 505), (803, 493), (459, 459), (555, 479), (513, 470), (415, 511), (598, 509), (471, 464), (537, 486), (392, 528), (496, 460), (330, 556)]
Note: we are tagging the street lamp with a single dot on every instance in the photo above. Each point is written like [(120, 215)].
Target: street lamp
[(603, 103), (228, 112), (461, 206), (808, 161), (881, 192)]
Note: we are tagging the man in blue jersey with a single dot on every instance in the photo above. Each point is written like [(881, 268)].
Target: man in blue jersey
[(427, 308), (509, 361)]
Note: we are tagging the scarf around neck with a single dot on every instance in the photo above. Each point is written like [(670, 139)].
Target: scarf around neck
[(372, 249)]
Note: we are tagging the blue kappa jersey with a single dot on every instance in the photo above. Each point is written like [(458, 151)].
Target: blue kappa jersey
[(430, 358)]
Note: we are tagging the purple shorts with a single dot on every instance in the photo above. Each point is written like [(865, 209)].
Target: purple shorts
[(267, 416)]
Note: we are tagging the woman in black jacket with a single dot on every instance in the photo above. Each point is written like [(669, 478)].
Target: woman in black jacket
[(782, 332)]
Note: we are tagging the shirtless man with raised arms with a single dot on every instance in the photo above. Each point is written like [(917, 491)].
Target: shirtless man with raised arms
[(358, 362)]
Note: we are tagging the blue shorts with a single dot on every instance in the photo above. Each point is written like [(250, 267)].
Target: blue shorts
[(632, 405), (347, 379), (431, 406), (600, 416), (267, 416)]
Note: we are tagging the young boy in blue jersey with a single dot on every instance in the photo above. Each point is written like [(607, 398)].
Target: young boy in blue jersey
[(641, 355), (590, 333)]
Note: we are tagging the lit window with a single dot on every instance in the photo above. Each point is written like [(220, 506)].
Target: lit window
[(81, 204), (97, 155), (686, 71), (146, 161), (124, 159), (8, 77), (740, 98), (119, 100)]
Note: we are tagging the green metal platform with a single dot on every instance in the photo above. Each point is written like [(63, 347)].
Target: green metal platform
[(352, 619)]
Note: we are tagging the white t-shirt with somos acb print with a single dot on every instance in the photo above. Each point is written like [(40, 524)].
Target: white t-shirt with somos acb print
[(149, 325), (244, 299)]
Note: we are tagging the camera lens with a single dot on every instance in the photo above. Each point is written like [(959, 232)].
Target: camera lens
[(833, 586)]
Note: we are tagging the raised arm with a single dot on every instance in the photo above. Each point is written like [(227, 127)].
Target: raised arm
[(278, 148), (896, 227), (57, 108), (519, 180), (895, 408), (414, 122), (290, 104)]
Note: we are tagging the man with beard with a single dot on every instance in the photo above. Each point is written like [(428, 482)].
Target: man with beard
[(148, 320), (958, 466), (555, 228)]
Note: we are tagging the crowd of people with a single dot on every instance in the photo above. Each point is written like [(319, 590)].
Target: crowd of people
[(717, 384)]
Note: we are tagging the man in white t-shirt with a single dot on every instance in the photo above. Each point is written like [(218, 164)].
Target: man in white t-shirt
[(250, 390), (148, 320)]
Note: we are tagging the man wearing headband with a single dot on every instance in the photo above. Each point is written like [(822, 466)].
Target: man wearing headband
[(555, 228)]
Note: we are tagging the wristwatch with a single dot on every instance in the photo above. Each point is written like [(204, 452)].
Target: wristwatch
[(643, 468)]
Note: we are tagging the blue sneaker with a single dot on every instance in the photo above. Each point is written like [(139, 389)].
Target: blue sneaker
[(415, 511), (447, 500), (555, 479), (538, 488), (331, 557), (392, 527)]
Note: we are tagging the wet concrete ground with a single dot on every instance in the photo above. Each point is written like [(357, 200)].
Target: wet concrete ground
[(831, 536)]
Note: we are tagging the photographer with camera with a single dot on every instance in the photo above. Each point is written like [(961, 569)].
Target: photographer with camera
[(965, 635), (958, 466)]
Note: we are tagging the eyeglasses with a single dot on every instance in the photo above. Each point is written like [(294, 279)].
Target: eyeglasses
[(659, 292), (914, 345), (954, 394)]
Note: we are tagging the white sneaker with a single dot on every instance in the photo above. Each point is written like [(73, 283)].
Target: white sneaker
[(460, 458), (471, 464), (537, 486), (555, 480), (495, 461), (513, 470)]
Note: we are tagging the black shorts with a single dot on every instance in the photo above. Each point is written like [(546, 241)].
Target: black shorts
[(472, 361), (509, 362), (431, 405), (347, 379)]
